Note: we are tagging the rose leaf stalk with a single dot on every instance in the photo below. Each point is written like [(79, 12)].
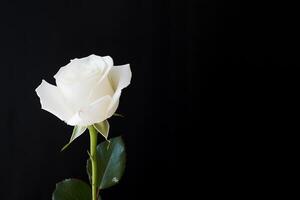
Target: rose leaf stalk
[(93, 151)]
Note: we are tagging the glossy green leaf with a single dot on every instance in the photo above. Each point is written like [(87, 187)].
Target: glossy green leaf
[(77, 131), (111, 160), (102, 128), (71, 189)]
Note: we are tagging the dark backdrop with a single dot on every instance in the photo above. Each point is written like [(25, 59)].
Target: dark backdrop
[(189, 60), (39, 37)]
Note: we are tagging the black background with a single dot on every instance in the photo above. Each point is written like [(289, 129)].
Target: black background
[(199, 74), (37, 38)]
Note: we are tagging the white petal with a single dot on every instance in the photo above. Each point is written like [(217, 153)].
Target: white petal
[(114, 104), (120, 77), (78, 79), (75, 120), (103, 87), (109, 61), (77, 93), (53, 101), (74, 69), (94, 113)]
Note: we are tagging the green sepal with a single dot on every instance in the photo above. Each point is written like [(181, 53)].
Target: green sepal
[(77, 131), (102, 128), (118, 115)]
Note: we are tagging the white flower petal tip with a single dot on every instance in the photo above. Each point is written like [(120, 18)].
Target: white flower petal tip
[(52, 100)]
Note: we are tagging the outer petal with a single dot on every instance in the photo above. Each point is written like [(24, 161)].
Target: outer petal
[(120, 77), (53, 101), (94, 113)]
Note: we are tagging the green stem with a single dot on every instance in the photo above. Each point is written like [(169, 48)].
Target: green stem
[(93, 149)]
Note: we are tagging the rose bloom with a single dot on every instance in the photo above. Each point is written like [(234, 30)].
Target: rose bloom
[(87, 90)]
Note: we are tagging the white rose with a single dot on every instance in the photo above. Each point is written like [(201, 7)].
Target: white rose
[(87, 90)]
